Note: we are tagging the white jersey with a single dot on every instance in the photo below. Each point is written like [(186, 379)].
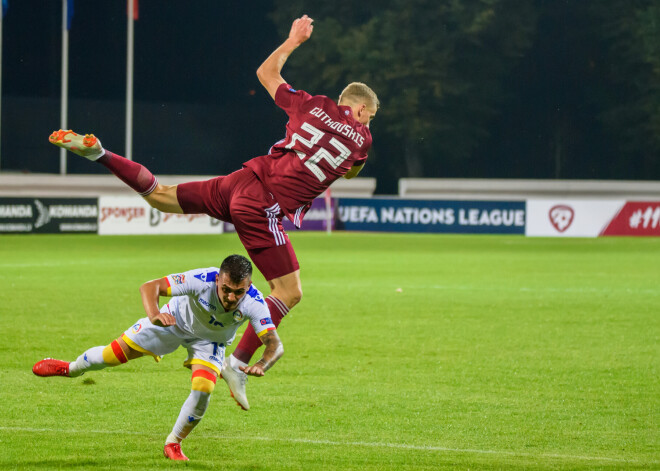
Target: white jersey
[(199, 312)]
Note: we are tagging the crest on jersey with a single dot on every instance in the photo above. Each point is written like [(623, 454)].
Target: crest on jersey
[(347, 112), (238, 315), (136, 328), (207, 277)]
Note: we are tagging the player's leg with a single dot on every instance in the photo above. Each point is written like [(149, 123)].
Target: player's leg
[(95, 358), (205, 360), (138, 177), (258, 221), (192, 411), (142, 338), (280, 267), (286, 292)]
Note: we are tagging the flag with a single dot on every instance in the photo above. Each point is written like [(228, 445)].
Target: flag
[(69, 14), (5, 7), (136, 12)]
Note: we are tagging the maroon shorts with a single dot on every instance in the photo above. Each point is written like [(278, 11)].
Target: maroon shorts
[(241, 199)]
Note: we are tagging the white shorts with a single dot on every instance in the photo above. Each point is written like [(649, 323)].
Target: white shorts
[(156, 341)]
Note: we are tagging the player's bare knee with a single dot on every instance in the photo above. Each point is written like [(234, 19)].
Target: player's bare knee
[(294, 297)]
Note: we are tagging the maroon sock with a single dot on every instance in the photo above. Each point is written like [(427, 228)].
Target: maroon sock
[(250, 342), (132, 173)]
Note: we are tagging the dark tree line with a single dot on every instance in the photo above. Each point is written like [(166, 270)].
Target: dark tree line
[(494, 88)]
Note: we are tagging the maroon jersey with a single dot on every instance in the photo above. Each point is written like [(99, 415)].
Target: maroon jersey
[(323, 141)]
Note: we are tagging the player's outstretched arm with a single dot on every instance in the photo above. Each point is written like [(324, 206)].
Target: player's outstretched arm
[(151, 291), (272, 353), (269, 73)]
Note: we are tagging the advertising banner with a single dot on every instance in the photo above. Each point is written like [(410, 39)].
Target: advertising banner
[(48, 215), (122, 215), (636, 218), (458, 217), (569, 218)]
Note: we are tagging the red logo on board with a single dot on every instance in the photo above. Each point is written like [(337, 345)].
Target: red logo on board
[(561, 217), (636, 218)]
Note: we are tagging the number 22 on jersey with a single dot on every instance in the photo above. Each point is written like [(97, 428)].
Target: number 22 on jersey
[(312, 163)]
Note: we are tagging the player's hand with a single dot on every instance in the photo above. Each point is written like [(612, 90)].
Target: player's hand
[(163, 319), (301, 29), (254, 370)]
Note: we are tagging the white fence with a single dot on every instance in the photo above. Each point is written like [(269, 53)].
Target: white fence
[(502, 189)]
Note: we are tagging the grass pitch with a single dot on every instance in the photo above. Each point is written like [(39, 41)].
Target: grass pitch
[(407, 352)]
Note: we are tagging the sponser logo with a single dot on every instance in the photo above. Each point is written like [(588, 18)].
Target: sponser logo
[(648, 218), (15, 211), (561, 217), (63, 211), (636, 218), (122, 213)]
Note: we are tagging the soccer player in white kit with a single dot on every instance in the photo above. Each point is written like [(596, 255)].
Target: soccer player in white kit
[(206, 309)]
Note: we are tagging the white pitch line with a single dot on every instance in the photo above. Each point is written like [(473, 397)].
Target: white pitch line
[(402, 446), (522, 289)]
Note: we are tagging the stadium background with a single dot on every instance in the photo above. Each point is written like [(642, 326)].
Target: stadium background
[(409, 351), (542, 89)]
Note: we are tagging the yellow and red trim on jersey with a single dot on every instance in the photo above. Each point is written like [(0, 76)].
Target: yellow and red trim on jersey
[(135, 346), (169, 286), (265, 331), (197, 361)]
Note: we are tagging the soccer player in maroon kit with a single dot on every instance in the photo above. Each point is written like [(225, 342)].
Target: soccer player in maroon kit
[(324, 141)]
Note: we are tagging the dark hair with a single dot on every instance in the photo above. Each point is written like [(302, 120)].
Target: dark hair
[(237, 267)]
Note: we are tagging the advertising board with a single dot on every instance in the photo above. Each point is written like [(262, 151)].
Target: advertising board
[(123, 215), (458, 217), (569, 218), (48, 215), (635, 218)]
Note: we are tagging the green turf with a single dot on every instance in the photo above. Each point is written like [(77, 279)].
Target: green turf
[(407, 352)]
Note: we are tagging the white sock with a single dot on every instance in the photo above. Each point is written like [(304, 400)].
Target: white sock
[(171, 438), (191, 413), (91, 360), (235, 363)]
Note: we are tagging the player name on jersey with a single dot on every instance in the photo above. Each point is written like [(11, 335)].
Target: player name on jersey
[(342, 128)]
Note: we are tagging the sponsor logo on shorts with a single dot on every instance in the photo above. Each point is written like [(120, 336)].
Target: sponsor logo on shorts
[(179, 279), (238, 316), (136, 328), (266, 321), (214, 358)]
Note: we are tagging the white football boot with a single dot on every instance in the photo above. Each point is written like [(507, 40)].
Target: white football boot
[(236, 380), (87, 146)]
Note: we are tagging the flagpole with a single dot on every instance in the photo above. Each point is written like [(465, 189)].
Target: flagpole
[(2, 17), (129, 81), (65, 80)]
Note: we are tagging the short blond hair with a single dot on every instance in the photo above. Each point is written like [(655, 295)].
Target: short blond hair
[(357, 93)]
